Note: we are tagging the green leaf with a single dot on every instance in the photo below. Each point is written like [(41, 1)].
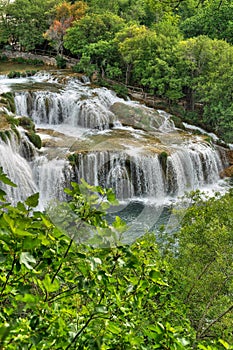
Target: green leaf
[(22, 233), (2, 195), (4, 331), (33, 200), (49, 285), (5, 179), (26, 258), (155, 275), (113, 328), (9, 221), (225, 344)]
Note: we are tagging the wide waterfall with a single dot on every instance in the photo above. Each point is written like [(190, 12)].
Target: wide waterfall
[(91, 133)]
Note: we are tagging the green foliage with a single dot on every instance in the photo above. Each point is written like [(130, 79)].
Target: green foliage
[(3, 58), (14, 74), (34, 138), (29, 61), (85, 66), (91, 29), (197, 60), (25, 22), (214, 20), (61, 62), (204, 265), (56, 294)]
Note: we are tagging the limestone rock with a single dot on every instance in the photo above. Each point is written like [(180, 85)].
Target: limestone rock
[(230, 156), (228, 172)]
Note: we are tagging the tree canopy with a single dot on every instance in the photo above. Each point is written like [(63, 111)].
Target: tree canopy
[(152, 44)]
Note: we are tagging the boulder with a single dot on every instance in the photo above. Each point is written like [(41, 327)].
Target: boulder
[(230, 156), (228, 172)]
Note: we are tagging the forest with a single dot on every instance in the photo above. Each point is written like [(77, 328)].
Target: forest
[(74, 285), (178, 50)]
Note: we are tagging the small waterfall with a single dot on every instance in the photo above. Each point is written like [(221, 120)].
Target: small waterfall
[(76, 106), (51, 177), (19, 171), (32, 173), (189, 168)]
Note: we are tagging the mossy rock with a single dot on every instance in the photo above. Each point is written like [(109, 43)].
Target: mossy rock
[(3, 136), (26, 123), (178, 122), (7, 99), (35, 139)]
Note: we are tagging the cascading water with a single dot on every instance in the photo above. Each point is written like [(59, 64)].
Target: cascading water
[(144, 176), (76, 107), (125, 158), (19, 171)]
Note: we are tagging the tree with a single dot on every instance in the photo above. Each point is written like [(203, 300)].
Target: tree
[(203, 261), (91, 29), (205, 66), (213, 19), (65, 15), (131, 41), (23, 22)]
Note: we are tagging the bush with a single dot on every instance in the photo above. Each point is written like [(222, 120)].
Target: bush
[(61, 62), (14, 74), (3, 58), (29, 61)]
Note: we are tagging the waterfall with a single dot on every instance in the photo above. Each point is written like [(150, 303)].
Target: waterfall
[(187, 168), (19, 171), (129, 161), (77, 105), (51, 177)]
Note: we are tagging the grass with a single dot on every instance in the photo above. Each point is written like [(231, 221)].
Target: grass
[(7, 67)]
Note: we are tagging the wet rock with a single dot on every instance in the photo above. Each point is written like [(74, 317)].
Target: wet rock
[(230, 156), (228, 172)]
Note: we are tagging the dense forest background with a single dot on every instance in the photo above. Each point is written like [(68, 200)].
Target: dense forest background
[(173, 291), (179, 50)]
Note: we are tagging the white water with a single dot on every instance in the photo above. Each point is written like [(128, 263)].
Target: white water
[(76, 105), (19, 171), (75, 110)]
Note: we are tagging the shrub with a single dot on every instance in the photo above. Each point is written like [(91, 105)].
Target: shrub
[(61, 62)]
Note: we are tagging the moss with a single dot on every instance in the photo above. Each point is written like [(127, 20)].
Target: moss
[(35, 139), (178, 122), (16, 74), (7, 99), (73, 158), (26, 123), (3, 136)]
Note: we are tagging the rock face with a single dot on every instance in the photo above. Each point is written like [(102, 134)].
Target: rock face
[(230, 157), (137, 116), (228, 172), (50, 61)]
